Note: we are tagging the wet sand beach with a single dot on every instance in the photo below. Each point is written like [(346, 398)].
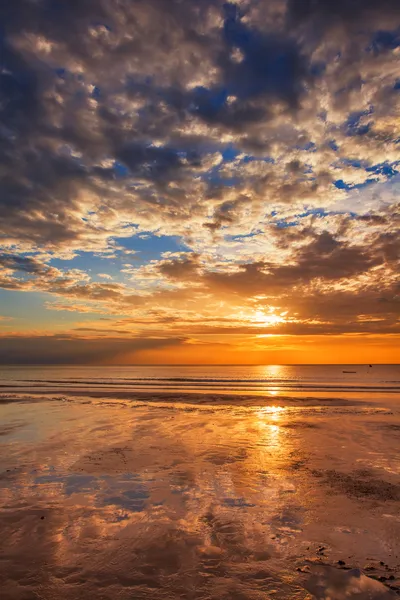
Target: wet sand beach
[(163, 496)]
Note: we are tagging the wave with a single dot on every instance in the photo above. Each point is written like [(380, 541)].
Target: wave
[(201, 383), (176, 380)]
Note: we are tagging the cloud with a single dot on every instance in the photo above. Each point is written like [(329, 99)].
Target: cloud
[(64, 349), (263, 136), (344, 12)]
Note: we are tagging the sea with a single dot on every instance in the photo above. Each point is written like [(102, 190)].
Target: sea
[(269, 380)]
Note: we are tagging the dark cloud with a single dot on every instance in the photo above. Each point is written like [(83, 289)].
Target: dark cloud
[(68, 73), (63, 349), (50, 134), (324, 257), (344, 12), (154, 163), (346, 311), (186, 268), (267, 68), (71, 70), (26, 264)]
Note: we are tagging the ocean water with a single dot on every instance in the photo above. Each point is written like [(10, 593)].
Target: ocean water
[(288, 380)]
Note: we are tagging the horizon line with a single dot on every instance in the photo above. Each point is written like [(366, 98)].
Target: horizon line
[(196, 364)]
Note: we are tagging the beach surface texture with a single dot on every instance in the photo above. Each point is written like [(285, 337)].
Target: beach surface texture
[(127, 494)]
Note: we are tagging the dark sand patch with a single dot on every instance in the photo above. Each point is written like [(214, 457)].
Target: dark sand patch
[(12, 427), (359, 484), (22, 399), (392, 427)]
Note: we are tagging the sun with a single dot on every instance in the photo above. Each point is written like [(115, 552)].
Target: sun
[(270, 318)]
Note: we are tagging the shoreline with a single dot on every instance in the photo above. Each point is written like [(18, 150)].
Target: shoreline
[(196, 398)]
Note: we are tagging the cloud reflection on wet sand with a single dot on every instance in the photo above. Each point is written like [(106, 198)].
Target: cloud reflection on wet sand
[(128, 500)]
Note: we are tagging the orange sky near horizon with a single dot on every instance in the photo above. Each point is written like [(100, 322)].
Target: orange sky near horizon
[(280, 350)]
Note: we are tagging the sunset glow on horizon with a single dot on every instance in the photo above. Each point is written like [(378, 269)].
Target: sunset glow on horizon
[(199, 182)]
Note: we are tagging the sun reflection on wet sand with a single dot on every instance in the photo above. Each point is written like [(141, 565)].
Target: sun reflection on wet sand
[(273, 411), (206, 501)]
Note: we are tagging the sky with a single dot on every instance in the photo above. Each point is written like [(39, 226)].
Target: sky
[(199, 181)]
